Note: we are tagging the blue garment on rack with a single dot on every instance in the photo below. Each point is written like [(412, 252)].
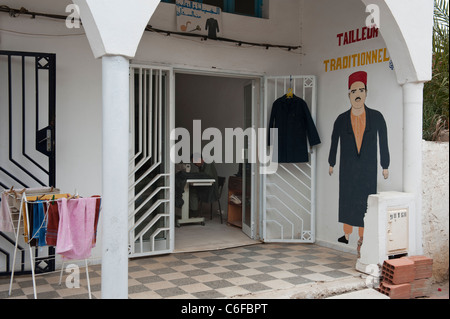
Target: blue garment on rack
[(39, 224)]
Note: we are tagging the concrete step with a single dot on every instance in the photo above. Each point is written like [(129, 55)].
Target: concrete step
[(368, 293)]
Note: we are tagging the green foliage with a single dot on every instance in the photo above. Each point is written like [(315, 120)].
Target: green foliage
[(436, 102)]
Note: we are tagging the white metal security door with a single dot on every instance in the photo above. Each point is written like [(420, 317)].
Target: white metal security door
[(150, 206), (289, 194)]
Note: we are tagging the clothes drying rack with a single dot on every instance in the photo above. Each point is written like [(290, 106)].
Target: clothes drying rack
[(25, 213)]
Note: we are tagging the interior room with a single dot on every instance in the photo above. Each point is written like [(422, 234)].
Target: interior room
[(218, 102)]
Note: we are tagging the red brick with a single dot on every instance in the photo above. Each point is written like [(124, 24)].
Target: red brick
[(420, 288), (402, 291), (398, 263), (420, 260), (398, 271), (424, 266)]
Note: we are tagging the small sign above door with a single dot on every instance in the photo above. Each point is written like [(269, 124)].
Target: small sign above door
[(199, 18)]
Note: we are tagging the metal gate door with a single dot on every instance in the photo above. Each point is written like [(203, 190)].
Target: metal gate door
[(27, 100), (27, 129), (151, 199), (289, 193)]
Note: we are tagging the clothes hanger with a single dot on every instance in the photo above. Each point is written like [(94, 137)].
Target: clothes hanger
[(290, 91)]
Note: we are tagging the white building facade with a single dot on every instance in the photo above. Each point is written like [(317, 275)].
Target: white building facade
[(126, 53)]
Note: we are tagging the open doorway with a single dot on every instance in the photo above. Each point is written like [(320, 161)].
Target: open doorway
[(218, 102), (161, 102)]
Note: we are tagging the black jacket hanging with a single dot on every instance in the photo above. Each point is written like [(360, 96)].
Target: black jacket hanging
[(293, 120)]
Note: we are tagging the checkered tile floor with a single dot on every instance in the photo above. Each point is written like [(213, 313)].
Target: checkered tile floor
[(205, 275)]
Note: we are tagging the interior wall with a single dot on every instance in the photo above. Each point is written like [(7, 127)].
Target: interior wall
[(323, 21), (218, 102)]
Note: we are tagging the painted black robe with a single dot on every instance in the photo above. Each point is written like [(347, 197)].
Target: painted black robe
[(358, 172), (212, 26), (293, 120)]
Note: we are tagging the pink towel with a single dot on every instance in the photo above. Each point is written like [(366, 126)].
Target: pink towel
[(76, 227), (5, 215)]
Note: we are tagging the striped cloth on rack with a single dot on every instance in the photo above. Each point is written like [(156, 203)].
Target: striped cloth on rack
[(52, 223), (30, 199), (97, 216), (39, 223)]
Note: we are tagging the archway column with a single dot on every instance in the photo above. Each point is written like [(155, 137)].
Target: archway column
[(115, 108), (114, 29), (412, 151)]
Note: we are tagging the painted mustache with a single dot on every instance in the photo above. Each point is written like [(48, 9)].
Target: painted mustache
[(358, 99)]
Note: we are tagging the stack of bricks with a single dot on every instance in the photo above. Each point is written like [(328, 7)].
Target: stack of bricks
[(406, 277), (397, 275), (424, 270)]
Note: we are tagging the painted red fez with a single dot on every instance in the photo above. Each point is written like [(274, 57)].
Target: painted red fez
[(359, 76)]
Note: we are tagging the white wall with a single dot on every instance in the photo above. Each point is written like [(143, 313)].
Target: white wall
[(78, 74), (323, 20)]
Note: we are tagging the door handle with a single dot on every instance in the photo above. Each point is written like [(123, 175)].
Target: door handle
[(48, 138), (44, 140)]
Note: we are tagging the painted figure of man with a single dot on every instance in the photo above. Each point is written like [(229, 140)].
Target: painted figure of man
[(358, 131)]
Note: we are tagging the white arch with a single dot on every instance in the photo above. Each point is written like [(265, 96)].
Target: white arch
[(115, 27), (407, 29)]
